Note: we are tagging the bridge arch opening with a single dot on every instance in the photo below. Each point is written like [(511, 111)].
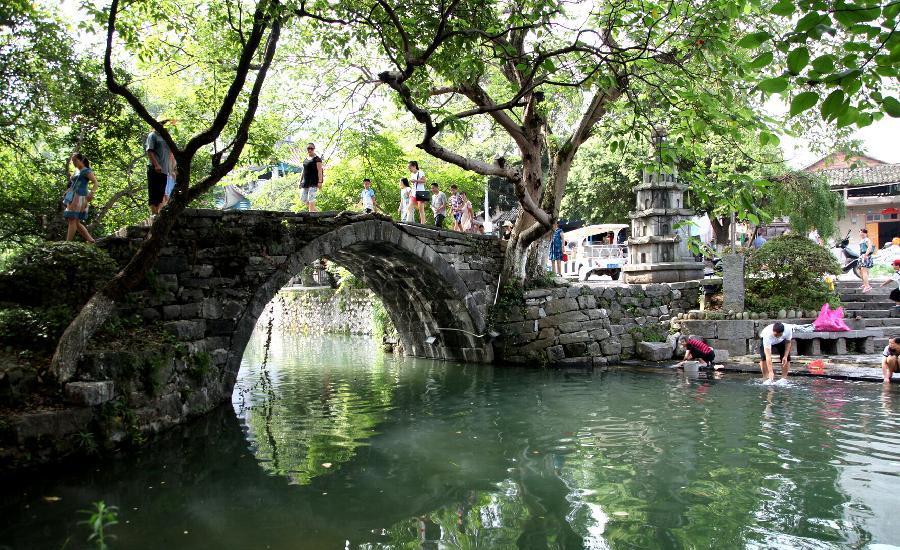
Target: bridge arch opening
[(421, 290)]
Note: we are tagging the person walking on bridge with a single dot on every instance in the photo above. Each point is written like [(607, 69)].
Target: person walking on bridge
[(159, 169), (368, 197), (420, 194), (78, 197), (438, 205), (312, 178)]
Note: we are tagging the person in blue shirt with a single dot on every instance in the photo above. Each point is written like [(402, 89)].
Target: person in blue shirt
[(368, 197), (556, 249), (758, 241), (78, 197)]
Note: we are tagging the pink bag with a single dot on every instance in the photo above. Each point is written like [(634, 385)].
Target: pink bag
[(830, 320)]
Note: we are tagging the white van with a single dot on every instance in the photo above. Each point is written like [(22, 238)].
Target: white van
[(588, 251)]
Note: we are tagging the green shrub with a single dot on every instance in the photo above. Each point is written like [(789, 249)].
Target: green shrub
[(35, 329), (54, 274), (788, 273)]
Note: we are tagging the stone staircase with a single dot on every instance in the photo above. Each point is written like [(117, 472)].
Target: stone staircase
[(873, 309)]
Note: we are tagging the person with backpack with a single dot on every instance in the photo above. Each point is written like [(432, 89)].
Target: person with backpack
[(78, 197)]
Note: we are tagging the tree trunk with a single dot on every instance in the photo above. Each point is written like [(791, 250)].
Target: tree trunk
[(721, 230)]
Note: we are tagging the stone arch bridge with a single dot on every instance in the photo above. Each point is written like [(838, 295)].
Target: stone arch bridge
[(219, 270)]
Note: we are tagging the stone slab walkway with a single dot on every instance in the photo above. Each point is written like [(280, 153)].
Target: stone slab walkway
[(840, 367), (844, 367)]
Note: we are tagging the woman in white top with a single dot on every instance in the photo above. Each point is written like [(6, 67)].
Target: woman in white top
[(417, 179), (405, 201)]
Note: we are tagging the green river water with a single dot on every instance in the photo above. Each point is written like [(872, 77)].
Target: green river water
[(333, 444)]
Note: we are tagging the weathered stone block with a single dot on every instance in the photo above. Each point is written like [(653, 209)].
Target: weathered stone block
[(611, 347), (737, 346), (556, 320), (575, 349), (735, 329), (561, 305), (171, 312), (555, 353), (703, 329), (150, 314), (190, 311), (172, 264), (211, 308), (187, 330), (574, 337), (53, 424), (587, 302), (654, 351), (89, 393)]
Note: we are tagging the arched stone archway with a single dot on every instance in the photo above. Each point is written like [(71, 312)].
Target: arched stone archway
[(422, 292), (220, 270)]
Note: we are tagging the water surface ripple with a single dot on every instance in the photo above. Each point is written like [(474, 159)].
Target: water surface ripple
[(334, 445)]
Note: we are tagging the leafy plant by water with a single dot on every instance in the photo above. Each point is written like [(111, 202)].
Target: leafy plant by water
[(100, 519)]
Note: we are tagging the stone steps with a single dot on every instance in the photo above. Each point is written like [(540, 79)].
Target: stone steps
[(868, 313), (856, 306), (872, 296), (842, 285), (889, 322)]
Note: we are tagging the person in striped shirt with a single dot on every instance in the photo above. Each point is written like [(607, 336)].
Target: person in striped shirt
[(696, 349)]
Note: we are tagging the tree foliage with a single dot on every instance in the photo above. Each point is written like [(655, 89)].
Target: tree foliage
[(809, 203), (547, 85), (381, 156), (842, 57)]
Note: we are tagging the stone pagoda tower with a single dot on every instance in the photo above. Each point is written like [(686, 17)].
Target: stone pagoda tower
[(657, 249)]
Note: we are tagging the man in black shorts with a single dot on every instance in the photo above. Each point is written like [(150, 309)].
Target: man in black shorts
[(776, 340), (158, 169)]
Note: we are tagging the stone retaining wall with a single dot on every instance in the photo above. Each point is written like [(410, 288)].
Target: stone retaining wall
[(583, 325), (321, 310)]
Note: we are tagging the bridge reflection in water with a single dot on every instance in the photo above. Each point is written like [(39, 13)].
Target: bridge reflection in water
[(334, 443)]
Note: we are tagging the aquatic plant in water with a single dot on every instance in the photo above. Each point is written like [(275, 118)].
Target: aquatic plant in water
[(101, 518)]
